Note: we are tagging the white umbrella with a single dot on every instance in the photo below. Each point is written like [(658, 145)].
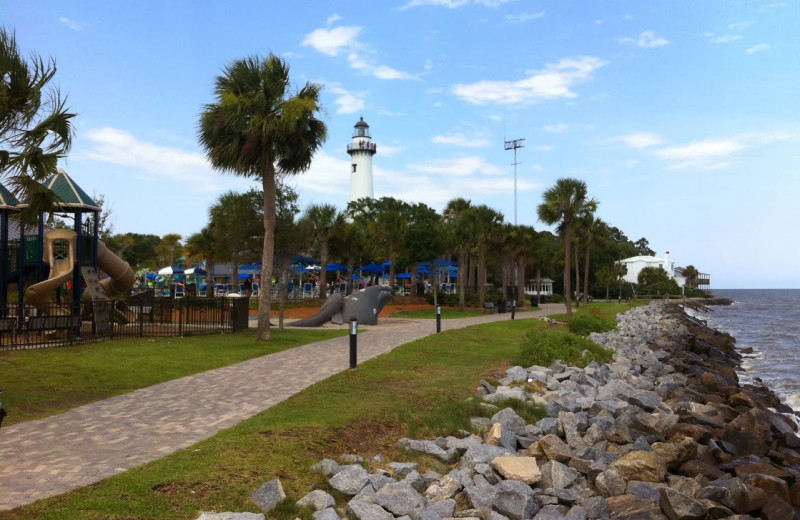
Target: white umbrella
[(169, 270)]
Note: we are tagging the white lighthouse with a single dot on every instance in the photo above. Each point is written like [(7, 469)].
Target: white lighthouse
[(361, 150)]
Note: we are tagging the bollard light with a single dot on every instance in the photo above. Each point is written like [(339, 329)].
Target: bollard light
[(353, 343), (438, 319), (513, 308)]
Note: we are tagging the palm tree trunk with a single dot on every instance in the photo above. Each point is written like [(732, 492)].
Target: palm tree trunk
[(567, 266), (462, 274), (323, 269), (268, 185), (586, 274), (577, 276), (521, 281)]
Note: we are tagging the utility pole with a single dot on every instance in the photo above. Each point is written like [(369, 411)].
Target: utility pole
[(513, 145)]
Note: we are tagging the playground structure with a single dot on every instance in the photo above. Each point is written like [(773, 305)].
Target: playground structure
[(42, 264)]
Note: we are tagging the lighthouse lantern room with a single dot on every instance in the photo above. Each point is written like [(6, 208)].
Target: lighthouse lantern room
[(361, 150)]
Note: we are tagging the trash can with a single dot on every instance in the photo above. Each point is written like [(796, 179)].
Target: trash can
[(501, 306)]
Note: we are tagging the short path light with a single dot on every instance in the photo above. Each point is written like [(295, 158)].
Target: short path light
[(438, 319), (353, 343)]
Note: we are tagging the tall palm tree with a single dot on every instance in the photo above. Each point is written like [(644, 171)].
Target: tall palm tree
[(257, 129), (35, 125), (325, 223), (562, 204), (592, 230), (486, 222), (458, 227)]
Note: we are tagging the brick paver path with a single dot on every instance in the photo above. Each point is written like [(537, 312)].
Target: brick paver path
[(43, 458)]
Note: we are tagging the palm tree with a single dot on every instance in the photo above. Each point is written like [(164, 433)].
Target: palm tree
[(485, 222), (591, 230), (257, 129), (325, 223), (458, 227), (690, 273), (35, 127), (562, 204)]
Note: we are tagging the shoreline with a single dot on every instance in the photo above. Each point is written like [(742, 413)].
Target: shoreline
[(663, 431)]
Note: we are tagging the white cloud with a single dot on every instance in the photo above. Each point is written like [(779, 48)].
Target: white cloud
[(646, 39), (722, 38), (739, 26), (639, 140), (332, 41), (559, 128), (347, 101), (461, 140), (493, 3), (450, 4), (458, 167), (712, 154), (553, 82), (163, 163), (75, 26), (524, 17), (758, 48), (544, 148), (340, 39), (333, 19)]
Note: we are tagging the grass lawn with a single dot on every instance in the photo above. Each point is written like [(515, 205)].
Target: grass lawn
[(430, 314), (418, 389), (38, 383)]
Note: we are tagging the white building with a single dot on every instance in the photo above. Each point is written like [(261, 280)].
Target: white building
[(361, 150), (635, 264)]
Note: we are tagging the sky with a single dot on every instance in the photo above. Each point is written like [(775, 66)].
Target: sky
[(681, 116)]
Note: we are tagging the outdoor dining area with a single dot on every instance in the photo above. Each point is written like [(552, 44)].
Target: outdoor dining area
[(302, 281)]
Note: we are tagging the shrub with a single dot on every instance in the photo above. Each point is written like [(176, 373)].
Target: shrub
[(545, 347), (583, 324)]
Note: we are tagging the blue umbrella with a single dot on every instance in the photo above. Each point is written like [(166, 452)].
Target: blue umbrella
[(335, 267), (371, 267), (404, 276)]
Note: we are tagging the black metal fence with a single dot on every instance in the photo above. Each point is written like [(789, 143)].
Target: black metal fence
[(144, 315)]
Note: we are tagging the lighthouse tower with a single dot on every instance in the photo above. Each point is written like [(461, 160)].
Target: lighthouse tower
[(361, 150)]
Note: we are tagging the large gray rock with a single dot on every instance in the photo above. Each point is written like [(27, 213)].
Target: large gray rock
[(523, 469), (425, 447), (366, 511), (444, 489), (350, 479), (328, 513), (436, 510), (399, 498), (485, 453), (268, 494), (327, 467), (678, 506), (557, 475), (515, 500), (510, 420), (507, 392), (317, 498)]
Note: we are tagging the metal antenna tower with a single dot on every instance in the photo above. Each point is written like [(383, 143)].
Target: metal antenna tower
[(513, 145)]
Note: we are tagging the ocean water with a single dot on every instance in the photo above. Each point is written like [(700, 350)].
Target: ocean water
[(768, 321)]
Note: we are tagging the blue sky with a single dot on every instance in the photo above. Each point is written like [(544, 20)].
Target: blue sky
[(681, 116)]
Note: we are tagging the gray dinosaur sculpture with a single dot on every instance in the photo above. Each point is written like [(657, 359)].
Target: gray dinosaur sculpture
[(363, 305)]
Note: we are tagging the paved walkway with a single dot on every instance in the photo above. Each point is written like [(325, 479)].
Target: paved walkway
[(43, 458)]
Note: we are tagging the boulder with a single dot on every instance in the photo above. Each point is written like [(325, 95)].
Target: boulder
[(678, 506), (523, 469), (350, 479), (268, 494), (641, 465), (317, 498), (399, 498), (515, 500), (367, 511), (555, 449), (444, 489)]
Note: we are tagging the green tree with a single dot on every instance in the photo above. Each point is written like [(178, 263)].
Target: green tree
[(643, 247), (138, 250), (459, 236), (591, 230), (485, 224), (237, 225), (386, 221), (423, 239), (256, 129), (35, 124), (166, 249), (691, 274), (324, 222), (562, 205)]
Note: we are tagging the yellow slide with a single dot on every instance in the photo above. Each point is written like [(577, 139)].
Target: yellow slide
[(59, 252)]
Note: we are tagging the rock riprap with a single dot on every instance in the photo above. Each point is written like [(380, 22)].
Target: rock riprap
[(663, 431)]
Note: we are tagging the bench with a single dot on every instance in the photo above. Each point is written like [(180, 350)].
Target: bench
[(41, 324), (488, 307), (7, 326)]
